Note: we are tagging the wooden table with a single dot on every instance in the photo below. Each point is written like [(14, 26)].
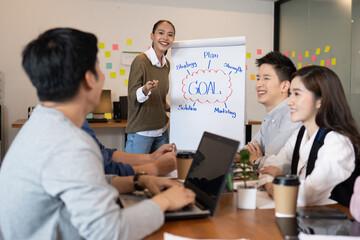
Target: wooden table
[(230, 223)]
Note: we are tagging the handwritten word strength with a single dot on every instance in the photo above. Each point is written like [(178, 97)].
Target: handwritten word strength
[(236, 69)]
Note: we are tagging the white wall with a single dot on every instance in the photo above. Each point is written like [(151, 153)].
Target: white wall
[(115, 21)]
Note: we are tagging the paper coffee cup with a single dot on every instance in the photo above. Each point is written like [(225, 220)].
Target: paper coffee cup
[(285, 195), (183, 162)]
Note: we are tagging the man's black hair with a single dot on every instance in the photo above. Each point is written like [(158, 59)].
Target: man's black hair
[(283, 66), (56, 62)]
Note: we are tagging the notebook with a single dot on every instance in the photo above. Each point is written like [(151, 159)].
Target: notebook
[(207, 177)]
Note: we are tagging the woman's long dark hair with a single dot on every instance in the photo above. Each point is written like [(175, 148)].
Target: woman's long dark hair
[(334, 112)]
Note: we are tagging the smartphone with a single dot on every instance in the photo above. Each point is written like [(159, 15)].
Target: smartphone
[(321, 214)]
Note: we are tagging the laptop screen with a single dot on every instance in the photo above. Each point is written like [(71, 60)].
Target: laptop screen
[(208, 172)]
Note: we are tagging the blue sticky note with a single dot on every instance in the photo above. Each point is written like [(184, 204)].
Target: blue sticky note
[(108, 65)]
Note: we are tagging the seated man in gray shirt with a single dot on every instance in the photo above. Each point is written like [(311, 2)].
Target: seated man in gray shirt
[(52, 178), (272, 87)]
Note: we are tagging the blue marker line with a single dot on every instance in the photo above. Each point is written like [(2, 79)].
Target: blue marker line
[(225, 105), (188, 72), (230, 72), (209, 64), (193, 104)]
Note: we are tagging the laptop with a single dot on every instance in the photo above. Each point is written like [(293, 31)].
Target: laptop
[(207, 177)]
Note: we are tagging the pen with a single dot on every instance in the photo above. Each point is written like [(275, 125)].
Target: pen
[(173, 147)]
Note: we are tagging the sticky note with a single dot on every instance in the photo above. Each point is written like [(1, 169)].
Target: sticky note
[(246, 67), (129, 41), (122, 71), (107, 54), (299, 65), (126, 82), (306, 53), (259, 51), (333, 61), (113, 75), (90, 115), (293, 54), (313, 58), (287, 53), (115, 46), (252, 76), (107, 115), (327, 62), (317, 51), (108, 65), (102, 45), (300, 57), (248, 55), (327, 49), (322, 63)]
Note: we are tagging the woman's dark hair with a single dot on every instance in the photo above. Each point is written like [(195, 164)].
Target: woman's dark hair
[(334, 112), (56, 62), (156, 25)]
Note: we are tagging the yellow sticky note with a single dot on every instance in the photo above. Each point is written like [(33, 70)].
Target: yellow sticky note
[(248, 55), (126, 82), (122, 71), (107, 54), (107, 115), (322, 63), (299, 65), (102, 45), (318, 51), (113, 75), (252, 76), (306, 53), (293, 54), (129, 41), (333, 61), (327, 49)]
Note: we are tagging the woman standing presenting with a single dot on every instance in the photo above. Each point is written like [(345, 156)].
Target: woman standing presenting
[(148, 86)]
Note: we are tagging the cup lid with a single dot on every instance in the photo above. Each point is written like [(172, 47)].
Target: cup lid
[(185, 155), (287, 180)]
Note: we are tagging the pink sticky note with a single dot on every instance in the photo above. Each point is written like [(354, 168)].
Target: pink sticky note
[(287, 53), (246, 67), (115, 46), (328, 62), (313, 58), (300, 57), (259, 51)]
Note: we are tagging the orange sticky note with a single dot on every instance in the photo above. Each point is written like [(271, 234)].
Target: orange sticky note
[(126, 82), (248, 55), (122, 71), (129, 41), (107, 54), (113, 75), (102, 45), (322, 63), (333, 61), (252, 76)]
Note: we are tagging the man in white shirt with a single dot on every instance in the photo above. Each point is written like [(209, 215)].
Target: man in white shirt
[(272, 87)]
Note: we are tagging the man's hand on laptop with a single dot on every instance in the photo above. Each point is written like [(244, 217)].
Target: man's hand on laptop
[(174, 198)]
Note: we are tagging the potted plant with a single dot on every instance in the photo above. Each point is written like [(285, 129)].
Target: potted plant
[(243, 170)]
